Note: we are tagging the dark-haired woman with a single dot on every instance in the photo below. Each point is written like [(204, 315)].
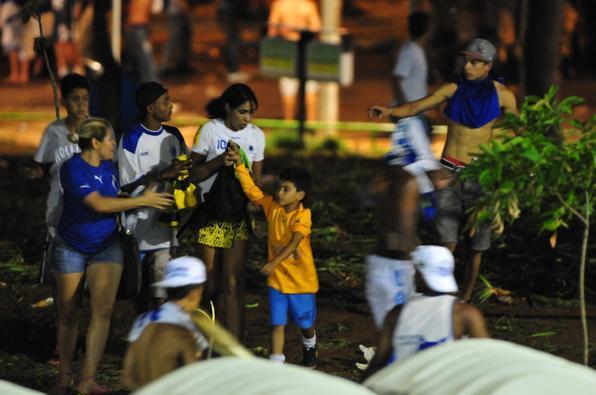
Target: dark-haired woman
[(223, 243), (87, 247)]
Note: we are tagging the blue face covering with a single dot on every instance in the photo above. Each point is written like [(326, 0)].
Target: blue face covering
[(474, 103)]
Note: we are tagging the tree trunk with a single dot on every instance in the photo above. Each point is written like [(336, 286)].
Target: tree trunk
[(542, 45), (582, 279), (107, 86)]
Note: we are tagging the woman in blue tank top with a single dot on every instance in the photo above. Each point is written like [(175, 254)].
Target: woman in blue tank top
[(87, 248)]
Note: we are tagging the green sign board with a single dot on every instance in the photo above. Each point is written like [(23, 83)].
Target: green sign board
[(278, 57), (323, 61)]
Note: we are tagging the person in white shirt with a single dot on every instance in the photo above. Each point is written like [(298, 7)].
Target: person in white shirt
[(410, 73), (58, 144), (146, 158), (222, 238), (431, 318)]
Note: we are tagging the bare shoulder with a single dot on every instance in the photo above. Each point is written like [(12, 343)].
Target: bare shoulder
[(446, 90), (501, 88), (467, 312), (503, 91), (506, 97), (470, 320)]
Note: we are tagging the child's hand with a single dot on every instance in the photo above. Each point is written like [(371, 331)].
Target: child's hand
[(231, 157), (268, 268)]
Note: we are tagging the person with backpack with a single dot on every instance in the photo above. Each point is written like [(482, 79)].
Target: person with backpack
[(222, 228)]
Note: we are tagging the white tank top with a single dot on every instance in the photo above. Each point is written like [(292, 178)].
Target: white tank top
[(424, 322)]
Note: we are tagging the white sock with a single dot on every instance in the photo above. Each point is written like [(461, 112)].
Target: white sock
[(309, 343), (277, 358)]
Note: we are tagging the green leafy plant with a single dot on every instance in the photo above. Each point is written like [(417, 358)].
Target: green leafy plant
[(546, 168)]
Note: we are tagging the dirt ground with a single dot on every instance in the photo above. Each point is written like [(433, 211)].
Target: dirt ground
[(544, 314), (543, 281)]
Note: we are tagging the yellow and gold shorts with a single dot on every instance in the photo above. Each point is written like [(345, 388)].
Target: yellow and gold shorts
[(222, 234)]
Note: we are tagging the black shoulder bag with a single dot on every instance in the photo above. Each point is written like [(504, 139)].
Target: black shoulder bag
[(132, 278), (226, 200)]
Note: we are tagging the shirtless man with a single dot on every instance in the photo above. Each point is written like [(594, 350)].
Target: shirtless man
[(474, 102), (389, 270), (166, 338)]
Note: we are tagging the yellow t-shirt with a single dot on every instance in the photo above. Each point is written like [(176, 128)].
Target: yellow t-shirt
[(297, 273)]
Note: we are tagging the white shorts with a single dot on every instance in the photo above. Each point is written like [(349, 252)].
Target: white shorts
[(389, 282), (289, 86)]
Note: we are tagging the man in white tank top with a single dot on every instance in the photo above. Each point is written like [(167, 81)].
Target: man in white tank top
[(431, 318)]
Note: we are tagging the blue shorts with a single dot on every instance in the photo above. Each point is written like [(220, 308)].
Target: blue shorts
[(302, 308), (66, 259)]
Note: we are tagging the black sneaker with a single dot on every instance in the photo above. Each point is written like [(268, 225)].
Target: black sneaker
[(310, 357)]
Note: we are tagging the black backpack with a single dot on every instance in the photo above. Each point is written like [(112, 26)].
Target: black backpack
[(226, 200)]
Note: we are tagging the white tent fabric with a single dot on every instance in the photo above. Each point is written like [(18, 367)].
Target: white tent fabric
[(9, 388), (254, 376), (483, 367)]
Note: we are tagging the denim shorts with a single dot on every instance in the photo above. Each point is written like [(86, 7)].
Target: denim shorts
[(66, 259), (302, 308)]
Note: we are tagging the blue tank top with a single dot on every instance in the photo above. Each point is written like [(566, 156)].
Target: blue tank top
[(474, 103)]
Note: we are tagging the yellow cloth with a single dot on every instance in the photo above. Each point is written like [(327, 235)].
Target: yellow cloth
[(184, 191), (297, 273)]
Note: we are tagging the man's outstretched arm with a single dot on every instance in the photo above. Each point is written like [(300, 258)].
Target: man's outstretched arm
[(412, 108)]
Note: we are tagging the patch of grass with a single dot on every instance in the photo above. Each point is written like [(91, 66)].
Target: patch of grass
[(543, 334), (331, 145), (284, 140)]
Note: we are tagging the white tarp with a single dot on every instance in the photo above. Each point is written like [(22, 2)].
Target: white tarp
[(14, 389), (255, 376), (482, 367)]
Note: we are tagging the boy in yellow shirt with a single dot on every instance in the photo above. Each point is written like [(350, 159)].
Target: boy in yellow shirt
[(290, 269)]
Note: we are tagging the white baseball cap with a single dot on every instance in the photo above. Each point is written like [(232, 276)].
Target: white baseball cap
[(435, 264), (185, 270)]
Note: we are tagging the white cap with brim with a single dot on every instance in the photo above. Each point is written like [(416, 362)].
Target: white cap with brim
[(435, 264), (183, 271)]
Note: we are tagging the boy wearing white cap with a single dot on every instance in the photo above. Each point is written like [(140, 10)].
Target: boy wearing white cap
[(166, 338), (429, 319)]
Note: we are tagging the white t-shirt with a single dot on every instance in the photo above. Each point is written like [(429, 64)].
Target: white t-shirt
[(140, 151), (212, 140), (412, 68), (410, 148), (424, 322), (55, 149)]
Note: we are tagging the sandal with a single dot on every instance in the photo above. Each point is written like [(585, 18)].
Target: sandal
[(60, 389), (95, 390)]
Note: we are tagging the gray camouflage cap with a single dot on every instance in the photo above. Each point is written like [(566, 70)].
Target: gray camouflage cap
[(481, 49)]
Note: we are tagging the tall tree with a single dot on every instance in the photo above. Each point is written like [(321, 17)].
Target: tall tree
[(107, 85), (541, 45)]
